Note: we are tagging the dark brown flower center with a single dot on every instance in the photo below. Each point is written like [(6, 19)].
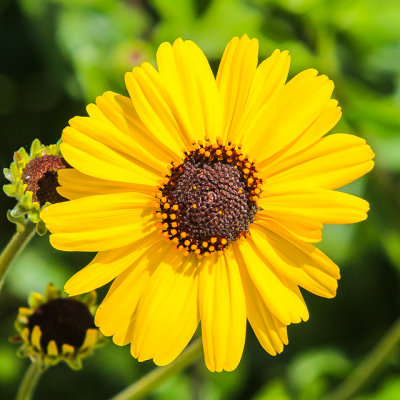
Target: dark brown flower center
[(40, 175), (63, 320), (210, 199)]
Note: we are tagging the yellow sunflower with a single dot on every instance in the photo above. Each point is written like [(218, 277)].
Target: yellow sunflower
[(203, 196)]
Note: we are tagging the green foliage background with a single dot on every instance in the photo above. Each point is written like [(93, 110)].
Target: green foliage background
[(58, 55)]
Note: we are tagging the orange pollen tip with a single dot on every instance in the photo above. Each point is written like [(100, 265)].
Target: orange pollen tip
[(240, 191), (175, 207), (173, 216), (194, 187), (194, 205), (211, 248), (173, 232), (163, 199), (197, 251), (174, 224), (224, 241), (229, 153), (218, 152), (164, 216), (220, 212), (213, 240), (186, 243), (165, 225), (207, 154), (248, 165), (193, 247), (205, 244), (158, 214), (183, 234), (246, 171), (201, 151), (175, 240), (186, 253), (220, 252), (167, 205)]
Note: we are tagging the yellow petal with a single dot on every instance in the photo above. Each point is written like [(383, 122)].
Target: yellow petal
[(105, 132), (271, 333), (167, 315), (115, 314), (36, 336), (287, 114), (299, 262), (303, 229), (268, 80), (333, 162), (52, 350), (234, 79), (96, 159), (321, 205), (109, 264), (119, 110), (101, 222), (154, 106), (75, 184), (222, 312), (280, 295), (191, 85)]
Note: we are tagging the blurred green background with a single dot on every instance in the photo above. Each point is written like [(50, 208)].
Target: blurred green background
[(58, 55)]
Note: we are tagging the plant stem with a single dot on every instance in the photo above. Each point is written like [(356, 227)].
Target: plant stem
[(14, 247), (29, 381), (369, 366), (154, 378)]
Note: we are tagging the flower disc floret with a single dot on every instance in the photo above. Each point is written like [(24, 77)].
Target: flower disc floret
[(209, 200)]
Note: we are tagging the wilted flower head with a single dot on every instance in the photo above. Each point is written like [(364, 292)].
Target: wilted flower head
[(55, 328)]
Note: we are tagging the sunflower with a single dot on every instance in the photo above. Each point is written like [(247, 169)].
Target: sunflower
[(203, 197)]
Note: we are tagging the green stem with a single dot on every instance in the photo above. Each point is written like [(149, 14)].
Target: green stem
[(14, 247), (154, 378), (369, 366), (29, 381)]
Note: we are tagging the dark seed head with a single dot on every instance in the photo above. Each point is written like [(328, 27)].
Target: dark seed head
[(40, 175), (209, 200), (63, 320)]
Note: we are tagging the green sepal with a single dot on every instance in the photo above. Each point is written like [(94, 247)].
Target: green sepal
[(41, 228), (10, 190), (18, 221)]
